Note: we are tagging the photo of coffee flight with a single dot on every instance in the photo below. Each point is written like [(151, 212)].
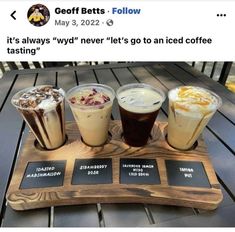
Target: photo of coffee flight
[(95, 135)]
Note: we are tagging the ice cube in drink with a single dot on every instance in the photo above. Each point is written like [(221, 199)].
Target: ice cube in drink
[(139, 105)]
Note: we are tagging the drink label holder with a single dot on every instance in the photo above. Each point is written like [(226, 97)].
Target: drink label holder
[(154, 174)]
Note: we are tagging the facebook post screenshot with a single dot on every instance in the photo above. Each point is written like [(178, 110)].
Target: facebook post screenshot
[(117, 113)]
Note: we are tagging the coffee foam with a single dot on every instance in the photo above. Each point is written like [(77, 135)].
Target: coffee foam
[(193, 100), (140, 100)]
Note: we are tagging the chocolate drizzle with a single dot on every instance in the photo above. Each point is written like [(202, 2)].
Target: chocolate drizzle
[(40, 115), (60, 110), (30, 118)]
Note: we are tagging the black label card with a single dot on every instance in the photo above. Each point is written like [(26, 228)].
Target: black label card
[(186, 173), (92, 171), (139, 171), (42, 174)]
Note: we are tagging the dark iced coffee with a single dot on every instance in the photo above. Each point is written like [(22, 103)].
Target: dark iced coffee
[(139, 106), (42, 107)]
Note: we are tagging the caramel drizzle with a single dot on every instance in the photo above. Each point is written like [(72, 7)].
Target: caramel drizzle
[(198, 126), (172, 107)]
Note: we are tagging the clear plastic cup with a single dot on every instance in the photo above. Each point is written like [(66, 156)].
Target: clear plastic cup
[(46, 120), (190, 109), (139, 105), (92, 120)]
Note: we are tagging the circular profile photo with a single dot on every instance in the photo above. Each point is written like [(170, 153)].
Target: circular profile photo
[(38, 15)]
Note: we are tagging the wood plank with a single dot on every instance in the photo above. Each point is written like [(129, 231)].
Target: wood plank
[(6, 83), (124, 76), (124, 215), (86, 76), (222, 159), (222, 217), (76, 216), (10, 129), (46, 77)]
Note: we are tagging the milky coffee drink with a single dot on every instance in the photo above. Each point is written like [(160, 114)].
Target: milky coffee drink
[(42, 107), (190, 109), (91, 105)]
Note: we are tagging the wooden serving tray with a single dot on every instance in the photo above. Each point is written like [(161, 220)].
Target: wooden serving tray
[(157, 149)]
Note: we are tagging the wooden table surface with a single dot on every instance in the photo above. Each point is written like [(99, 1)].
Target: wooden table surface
[(219, 136)]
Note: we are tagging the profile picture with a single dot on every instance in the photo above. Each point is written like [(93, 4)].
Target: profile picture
[(38, 15)]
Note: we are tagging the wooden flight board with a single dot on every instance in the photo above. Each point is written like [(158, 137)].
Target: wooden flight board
[(114, 173)]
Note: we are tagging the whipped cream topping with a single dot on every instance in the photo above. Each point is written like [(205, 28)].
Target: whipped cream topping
[(188, 99), (140, 100), (41, 97)]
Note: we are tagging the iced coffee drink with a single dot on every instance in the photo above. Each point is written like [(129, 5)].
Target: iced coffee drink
[(91, 105), (42, 107), (139, 105), (190, 109)]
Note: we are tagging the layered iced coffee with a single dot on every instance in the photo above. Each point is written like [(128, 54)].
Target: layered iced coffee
[(91, 105), (42, 107), (190, 109), (139, 105)]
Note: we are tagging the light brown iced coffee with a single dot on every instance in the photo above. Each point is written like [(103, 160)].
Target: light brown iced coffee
[(91, 105), (190, 109)]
